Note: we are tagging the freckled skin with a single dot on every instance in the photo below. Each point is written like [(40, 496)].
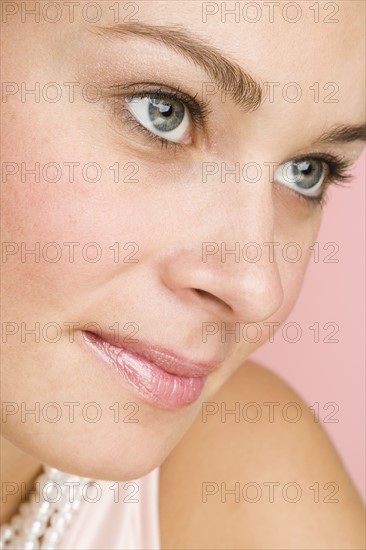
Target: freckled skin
[(168, 212)]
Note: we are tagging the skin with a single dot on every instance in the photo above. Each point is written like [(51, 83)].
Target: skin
[(159, 292), (258, 454)]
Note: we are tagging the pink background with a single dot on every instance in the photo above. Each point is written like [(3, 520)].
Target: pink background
[(333, 292)]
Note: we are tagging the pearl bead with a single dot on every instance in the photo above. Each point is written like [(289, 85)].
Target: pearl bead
[(76, 504), (41, 522), (58, 522), (51, 538), (6, 532), (36, 527), (31, 545), (44, 508), (67, 507), (68, 517), (67, 493)]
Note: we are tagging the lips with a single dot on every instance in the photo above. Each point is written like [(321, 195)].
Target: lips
[(159, 376)]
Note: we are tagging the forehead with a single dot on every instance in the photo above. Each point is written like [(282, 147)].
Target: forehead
[(275, 40), (283, 37)]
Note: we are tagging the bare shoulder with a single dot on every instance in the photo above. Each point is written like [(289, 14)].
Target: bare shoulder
[(256, 470)]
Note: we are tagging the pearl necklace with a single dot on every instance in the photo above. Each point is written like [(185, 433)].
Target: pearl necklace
[(42, 520)]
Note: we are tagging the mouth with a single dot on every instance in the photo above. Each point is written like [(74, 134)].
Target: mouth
[(155, 374)]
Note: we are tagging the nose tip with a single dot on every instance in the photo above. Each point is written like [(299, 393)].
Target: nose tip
[(257, 294), (245, 292)]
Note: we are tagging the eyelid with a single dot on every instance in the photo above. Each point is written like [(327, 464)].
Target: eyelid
[(326, 157), (338, 166), (337, 173), (291, 180), (198, 109)]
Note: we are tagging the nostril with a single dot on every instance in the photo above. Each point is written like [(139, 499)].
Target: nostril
[(208, 296)]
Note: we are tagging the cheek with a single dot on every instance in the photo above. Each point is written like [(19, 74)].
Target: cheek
[(293, 255), (50, 240), (296, 225), (68, 237), (86, 227)]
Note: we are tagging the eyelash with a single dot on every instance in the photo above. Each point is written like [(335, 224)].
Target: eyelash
[(199, 111), (337, 166)]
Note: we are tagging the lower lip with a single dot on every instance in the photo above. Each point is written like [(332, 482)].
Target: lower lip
[(156, 386)]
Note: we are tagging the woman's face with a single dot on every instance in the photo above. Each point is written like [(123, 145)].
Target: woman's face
[(85, 106)]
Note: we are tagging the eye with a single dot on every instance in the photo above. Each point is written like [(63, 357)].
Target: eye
[(305, 176), (165, 117)]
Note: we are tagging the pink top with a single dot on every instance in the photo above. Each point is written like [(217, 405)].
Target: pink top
[(125, 515)]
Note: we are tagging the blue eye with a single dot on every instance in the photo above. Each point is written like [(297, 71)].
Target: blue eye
[(162, 116), (305, 176)]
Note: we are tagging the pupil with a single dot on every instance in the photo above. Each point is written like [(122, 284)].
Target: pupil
[(307, 173), (305, 167), (166, 115), (166, 110)]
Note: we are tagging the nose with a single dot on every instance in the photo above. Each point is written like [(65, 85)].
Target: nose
[(230, 269)]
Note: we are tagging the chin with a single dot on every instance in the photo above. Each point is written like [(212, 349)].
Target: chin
[(111, 452)]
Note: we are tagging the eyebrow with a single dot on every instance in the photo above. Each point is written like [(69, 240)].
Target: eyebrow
[(228, 75), (344, 134)]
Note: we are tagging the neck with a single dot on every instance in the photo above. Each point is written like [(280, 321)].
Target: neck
[(17, 468)]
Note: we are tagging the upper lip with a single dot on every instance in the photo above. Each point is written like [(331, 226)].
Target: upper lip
[(160, 356)]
